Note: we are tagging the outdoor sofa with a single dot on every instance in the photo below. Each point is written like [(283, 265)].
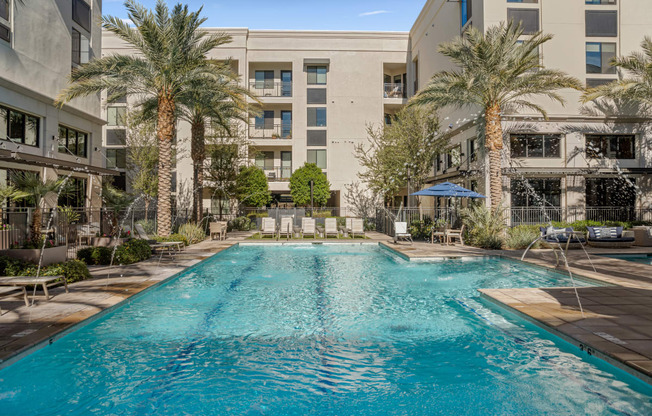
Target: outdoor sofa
[(610, 237), (552, 235)]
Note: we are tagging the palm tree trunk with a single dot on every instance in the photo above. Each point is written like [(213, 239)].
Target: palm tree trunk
[(198, 154), (165, 133), (494, 146), (36, 226)]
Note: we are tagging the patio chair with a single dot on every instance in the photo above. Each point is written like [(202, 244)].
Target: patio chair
[(330, 227), (268, 227), (308, 227), (286, 227), (610, 237), (401, 233), (553, 235), (439, 233), (642, 236), (357, 227), (218, 228), (87, 232), (452, 235)]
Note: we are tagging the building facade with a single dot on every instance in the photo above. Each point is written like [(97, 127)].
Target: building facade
[(586, 161), (39, 46)]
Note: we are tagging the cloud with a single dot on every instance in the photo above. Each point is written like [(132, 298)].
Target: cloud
[(373, 13), (128, 21)]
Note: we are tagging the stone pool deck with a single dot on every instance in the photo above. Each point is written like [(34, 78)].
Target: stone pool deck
[(617, 321)]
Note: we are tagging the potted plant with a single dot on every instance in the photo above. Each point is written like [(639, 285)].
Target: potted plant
[(30, 251)]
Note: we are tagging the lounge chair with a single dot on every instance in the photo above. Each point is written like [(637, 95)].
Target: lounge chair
[(268, 227), (401, 233), (642, 236), (610, 237), (553, 235), (155, 245), (14, 290), (330, 227), (286, 228), (218, 228), (24, 281), (455, 234), (308, 227), (357, 227)]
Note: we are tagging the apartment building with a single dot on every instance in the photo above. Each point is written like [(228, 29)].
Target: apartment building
[(319, 91), (588, 161), (40, 43)]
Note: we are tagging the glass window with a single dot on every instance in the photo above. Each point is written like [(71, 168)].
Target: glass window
[(116, 116), (75, 195), (318, 157), (600, 1), (473, 155), (529, 19), (19, 127), (522, 1), (535, 145), (596, 82), (4, 9), (5, 32), (601, 23), (599, 56), (116, 158), (600, 146), (453, 158), (466, 10), (81, 14), (610, 192), (80, 48), (316, 95), (534, 192), (264, 79), (316, 137), (265, 160), (316, 75), (116, 137), (317, 117), (265, 121), (72, 141)]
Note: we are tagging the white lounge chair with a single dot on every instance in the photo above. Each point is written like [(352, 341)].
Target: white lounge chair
[(401, 233), (330, 227), (308, 227), (357, 227), (286, 227), (268, 227)]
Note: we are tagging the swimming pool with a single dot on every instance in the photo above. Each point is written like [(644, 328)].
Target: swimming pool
[(320, 330), (637, 258)]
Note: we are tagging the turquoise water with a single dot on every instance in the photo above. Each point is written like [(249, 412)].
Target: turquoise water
[(638, 258), (320, 330)]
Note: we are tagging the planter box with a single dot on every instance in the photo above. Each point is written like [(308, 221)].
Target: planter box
[(106, 241), (50, 255)]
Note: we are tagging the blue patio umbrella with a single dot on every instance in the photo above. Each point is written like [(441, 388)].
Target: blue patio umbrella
[(448, 190)]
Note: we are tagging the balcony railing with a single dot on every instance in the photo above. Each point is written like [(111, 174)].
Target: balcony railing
[(278, 174), (271, 89), (395, 90), (276, 131)]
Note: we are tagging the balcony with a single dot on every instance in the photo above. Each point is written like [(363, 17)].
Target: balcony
[(394, 90), (271, 89), (270, 132), (278, 174)]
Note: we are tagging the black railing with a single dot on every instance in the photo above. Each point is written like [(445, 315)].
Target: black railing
[(271, 88), (395, 90), (270, 131)]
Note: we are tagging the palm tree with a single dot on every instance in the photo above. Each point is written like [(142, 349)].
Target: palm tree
[(171, 52), (638, 88), (496, 71), (34, 189)]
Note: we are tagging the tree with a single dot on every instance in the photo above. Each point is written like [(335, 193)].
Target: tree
[(34, 189), (142, 161), (171, 52), (363, 201), (300, 185), (225, 157), (406, 148), (252, 188), (638, 87), (117, 202), (496, 71)]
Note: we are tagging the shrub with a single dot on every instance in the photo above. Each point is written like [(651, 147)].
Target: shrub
[(193, 233), (322, 214), (95, 255), (240, 224), (421, 230), (173, 237), (148, 225), (520, 237), (485, 227), (132, 251), (72, 270)]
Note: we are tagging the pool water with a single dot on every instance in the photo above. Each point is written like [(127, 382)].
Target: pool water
[(321, 330), (637, 258)]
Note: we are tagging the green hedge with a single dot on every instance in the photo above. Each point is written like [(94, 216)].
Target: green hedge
[(132, 251), (72, 270)]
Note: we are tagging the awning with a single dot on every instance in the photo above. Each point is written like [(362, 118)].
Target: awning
[(316, 61), (49, 162)]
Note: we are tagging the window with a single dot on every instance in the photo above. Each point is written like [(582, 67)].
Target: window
[(316, 95), (453, 157), (116, 158), (72, 141), (316, 75), (318, 157), (536, 192), (116, 137), (75, 195), (266, 121), (116, 116), (316, 137), (528, 18), (286, 124), (388, 119), (600, 146), (265, 160), (600, 1), (19, 127), (286, 83), (438, 164), (4, 9), (317, 117), (599, 56), (473, 152), (5, 21), (466, 10), (80, 48), (264, 79), (610, 192), (81, 14), (601, 23), (535, 145), (596, 82)]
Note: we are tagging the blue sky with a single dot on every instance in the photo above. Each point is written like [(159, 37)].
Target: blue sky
[(297, 14)]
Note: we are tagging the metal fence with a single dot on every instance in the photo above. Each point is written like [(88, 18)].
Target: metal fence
[(538, 215)]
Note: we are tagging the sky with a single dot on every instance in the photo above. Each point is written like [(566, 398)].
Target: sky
[(383, 15)]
